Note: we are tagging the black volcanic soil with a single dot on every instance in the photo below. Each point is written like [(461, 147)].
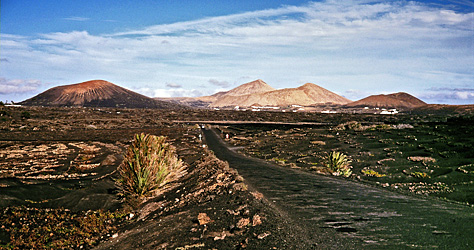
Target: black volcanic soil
[(423, 155), (57, 186), (210, 208), (57, 170)]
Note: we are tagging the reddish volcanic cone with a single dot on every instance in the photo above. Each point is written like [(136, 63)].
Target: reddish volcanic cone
[(96, 93), (397, 100)]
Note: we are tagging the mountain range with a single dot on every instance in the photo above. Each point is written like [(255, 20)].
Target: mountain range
[(100, 93), (259, 93)]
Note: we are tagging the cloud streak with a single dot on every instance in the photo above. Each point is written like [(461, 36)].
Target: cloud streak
[(18, 86), (455, 95), (362, 46), (222, 84), (173, 85), (173, 92), (77, 18)]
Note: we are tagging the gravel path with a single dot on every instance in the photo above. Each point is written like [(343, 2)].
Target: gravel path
[(340, 214)]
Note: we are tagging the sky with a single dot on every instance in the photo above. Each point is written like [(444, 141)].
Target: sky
[(168, 48)]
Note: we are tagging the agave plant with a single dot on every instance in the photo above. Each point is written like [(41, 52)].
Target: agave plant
[(149, 163), (338, 164)]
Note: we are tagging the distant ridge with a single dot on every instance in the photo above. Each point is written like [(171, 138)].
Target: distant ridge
[(396, 100), (95, 93), (444, 109), (258, 92)]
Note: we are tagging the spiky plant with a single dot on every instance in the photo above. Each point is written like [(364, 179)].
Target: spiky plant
[(149, 163), (338, 164)]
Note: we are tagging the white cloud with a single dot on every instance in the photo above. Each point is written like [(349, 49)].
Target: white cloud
[(223, 84), (175, 92), (173, 85), (77, 18), (465, 95), (361, 45), (18, 86), (454, 95)]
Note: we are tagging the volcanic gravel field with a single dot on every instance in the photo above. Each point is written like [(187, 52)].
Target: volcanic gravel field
[(57, 181), (338, 214)]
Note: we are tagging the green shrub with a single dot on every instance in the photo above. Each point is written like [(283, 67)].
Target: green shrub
[(351, 125), (356, 126), (420, 175), (279, 160), (338, 164), (383, 127), (149, 163), (370, 172), (25, 115)]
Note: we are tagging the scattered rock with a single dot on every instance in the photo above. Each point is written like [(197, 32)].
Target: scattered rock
[(256, 220), (263, 235), (318, 142), (233, 212), (221, 235), (204, 219), (239, 179), (240, 186), (198, 245), (91, 127), (243, 222), (109, 160), (257, 195), (421, 158)]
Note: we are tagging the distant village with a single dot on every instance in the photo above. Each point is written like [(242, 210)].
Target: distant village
[(316, 109)]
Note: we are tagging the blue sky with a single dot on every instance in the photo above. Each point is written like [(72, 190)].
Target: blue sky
[(164, 48)]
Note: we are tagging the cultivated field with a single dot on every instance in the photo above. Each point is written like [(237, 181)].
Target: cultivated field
[(424, 155)]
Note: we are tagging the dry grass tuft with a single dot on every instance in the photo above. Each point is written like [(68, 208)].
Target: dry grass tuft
[(149, 163)]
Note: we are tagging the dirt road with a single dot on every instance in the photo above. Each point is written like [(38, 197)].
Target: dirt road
[(340, 214)]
